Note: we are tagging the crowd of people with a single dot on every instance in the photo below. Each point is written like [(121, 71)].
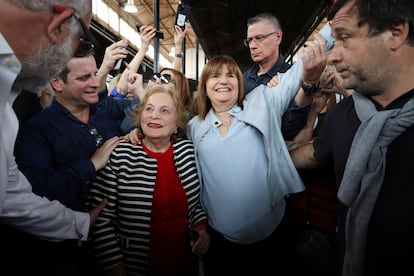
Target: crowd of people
[(96, 182)]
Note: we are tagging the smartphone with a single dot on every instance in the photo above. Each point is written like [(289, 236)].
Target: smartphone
[(118, 62), (183, 11), (158, 34)]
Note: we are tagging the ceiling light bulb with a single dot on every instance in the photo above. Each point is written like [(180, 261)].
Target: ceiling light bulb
[(172, 52), (130, 7)]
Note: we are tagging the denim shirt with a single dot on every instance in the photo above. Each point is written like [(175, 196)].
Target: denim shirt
[(263, 109), (295, 117)]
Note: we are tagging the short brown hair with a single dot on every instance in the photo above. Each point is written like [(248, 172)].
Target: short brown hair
[(213, 67)]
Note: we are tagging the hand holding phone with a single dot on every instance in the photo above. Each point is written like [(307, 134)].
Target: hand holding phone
[(119, 61), (158, 34), (183, 11)]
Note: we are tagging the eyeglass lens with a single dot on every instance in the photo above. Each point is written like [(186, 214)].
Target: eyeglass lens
[(258, 38), (165, 78), (85, 48)]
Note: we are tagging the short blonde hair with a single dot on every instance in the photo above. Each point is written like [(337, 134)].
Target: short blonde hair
[(182, 117)]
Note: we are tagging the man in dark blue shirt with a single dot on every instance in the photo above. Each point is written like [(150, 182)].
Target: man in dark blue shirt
[(59, 150), (264, 35)]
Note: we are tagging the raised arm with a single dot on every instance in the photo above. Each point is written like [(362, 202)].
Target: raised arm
[(113, 53), (303, 156), (179, 36), (147, 35)]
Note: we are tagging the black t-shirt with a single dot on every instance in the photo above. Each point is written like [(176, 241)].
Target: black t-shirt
[(390, 241)]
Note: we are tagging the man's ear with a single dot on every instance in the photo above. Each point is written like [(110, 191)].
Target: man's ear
[(56, 84), (279, 35), (55, 28), (399, 35)]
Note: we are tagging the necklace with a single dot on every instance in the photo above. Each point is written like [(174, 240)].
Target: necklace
[(228, 121)]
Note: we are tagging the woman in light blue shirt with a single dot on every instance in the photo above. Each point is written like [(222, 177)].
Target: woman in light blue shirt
[(244, 164)]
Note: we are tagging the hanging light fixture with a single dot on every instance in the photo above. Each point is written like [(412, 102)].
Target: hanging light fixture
[(130, 7), (172, 52)]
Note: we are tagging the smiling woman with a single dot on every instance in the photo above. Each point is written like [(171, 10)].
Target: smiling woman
[(236, 176), (163, 107), (164, 185)]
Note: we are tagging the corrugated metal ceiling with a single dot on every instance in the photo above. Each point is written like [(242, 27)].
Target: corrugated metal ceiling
[(220, 25)]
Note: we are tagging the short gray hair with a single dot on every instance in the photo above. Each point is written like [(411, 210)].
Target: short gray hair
[(266, 16)]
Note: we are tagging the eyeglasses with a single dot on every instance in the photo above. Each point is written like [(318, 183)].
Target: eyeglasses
[(94, 132), (85, 48), (88, 43), (165, 78), (257, 38)]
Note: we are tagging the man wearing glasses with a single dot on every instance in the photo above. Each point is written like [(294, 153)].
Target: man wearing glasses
[(264, 35), (37, 38)]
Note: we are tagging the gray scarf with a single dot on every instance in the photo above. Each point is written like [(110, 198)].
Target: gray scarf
[(364, 173)]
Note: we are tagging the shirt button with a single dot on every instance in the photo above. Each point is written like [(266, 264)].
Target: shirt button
[(10, 62), (237, 109)]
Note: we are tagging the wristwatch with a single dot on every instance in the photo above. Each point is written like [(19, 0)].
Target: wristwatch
[(309, 89), (179, 55)]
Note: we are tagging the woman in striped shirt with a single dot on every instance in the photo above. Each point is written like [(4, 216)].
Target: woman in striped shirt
[(153, 194)]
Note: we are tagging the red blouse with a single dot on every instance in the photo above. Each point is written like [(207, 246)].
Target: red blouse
[(169, 252)]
